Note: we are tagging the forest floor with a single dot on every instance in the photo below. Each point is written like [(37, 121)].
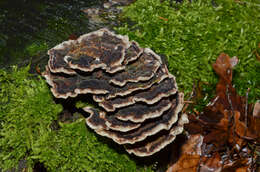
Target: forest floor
[(197, 38)]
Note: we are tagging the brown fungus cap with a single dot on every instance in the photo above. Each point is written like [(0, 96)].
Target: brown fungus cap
[(132, 53), (99, 120), (142, 69), (56, 61), (147, 148), (64, 86), (97, 82), (132, 87), (99, 49), (138, 99), (148, 128), (136, 113), (140, 112), (91, 51), (154, 94)]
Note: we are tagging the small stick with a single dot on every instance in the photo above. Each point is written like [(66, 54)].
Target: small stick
[(188, 102), (201, 155), (192, 94), (233, 114), (38, 70), (246, 108), (197, 113), (162, 18), (228, 154)]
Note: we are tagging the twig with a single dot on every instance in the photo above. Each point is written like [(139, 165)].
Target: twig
[(192, 94), (228, 154), (256, 54), (198, 166), (246, 109), (188, 102), (249, 3), (197, 113), (38, 70), (253, 160), (233, 114), (162, 18), (201, 155)]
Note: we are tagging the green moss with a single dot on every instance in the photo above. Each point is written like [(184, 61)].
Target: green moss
[(81, 104), (192, 35), (27, 114), (35, 48), (76, 148)]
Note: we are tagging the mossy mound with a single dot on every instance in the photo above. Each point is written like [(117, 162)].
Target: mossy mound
[(27, 114)]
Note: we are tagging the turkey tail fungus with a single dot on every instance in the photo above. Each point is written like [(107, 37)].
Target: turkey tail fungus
[(139, 105)]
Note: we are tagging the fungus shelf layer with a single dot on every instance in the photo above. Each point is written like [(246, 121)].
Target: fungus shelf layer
[(138, 100)]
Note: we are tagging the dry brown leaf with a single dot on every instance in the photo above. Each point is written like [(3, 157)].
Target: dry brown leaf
[(191, 159), (256, 112), (241, 165), (226, 127), (254, 128), (195, 125), (223, 66), (190, 155), (211, 163)]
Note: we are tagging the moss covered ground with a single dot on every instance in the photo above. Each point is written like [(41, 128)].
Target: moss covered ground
[(190, 35), (28, 135)]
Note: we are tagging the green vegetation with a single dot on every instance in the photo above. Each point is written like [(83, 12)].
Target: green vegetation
[(28, 29), (192, 35), (27, 131), (36, 47), (26, 112)]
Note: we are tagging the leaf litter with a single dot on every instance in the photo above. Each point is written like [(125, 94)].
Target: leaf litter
[(226, 135)]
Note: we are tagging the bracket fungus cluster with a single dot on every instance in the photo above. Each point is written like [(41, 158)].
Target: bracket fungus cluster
[(138, 101)]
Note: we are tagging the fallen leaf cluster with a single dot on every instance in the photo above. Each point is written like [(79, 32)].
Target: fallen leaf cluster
[(226, 135)]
